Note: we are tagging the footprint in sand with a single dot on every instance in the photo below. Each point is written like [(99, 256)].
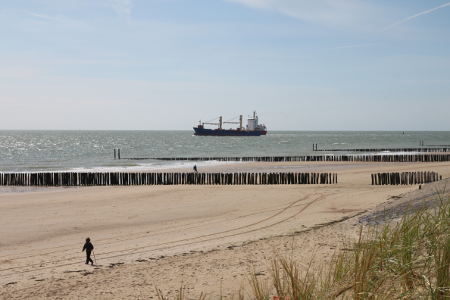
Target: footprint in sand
[(73, 271), (115, 264)]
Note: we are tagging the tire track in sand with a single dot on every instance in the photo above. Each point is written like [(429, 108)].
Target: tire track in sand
[(132, 251)]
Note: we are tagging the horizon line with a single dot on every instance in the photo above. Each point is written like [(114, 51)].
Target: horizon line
[(275, 130)]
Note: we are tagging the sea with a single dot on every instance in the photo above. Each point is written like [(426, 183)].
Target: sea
[(37, 151)]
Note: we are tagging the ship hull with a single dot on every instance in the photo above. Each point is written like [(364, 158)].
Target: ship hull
[(227, 132)]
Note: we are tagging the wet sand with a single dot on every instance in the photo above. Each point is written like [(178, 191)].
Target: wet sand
[(203, 236)]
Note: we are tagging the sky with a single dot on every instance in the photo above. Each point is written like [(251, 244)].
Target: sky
[(165, 64)]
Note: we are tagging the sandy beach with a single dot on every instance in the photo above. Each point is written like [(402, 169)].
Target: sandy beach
[(208, 238)]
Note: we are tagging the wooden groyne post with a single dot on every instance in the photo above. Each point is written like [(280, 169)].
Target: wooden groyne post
[(404, 178), (405, 149), (116, 153), (422, 157), (123, 178)]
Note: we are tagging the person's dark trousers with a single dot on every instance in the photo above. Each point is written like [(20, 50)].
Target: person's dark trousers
[(88, 257)]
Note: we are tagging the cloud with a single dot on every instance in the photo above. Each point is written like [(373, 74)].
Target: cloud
[(351, 46), (422, 13), (46, 17), (19, 73), (59, 20), (324, 12), (121, 7)]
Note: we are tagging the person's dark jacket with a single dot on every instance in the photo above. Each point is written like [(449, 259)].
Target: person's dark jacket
[(88, 247)]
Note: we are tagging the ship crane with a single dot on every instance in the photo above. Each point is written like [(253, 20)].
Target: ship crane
[(220, 123), (237, 122)]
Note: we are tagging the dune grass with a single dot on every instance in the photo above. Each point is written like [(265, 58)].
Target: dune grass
[(409, 259), (406, 260)]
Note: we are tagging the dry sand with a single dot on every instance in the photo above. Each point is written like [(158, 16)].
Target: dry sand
[(205, 237)]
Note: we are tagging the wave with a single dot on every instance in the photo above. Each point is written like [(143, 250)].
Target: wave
[(140, 167)]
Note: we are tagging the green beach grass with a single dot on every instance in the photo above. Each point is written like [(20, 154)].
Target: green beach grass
[(408, 259)]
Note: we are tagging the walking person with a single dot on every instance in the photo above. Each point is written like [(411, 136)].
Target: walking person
[(195, 169), (89, 248)]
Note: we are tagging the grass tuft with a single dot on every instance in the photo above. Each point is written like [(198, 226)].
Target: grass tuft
[(406, 260)]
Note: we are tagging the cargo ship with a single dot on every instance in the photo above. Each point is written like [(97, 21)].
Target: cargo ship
[(253, 128)]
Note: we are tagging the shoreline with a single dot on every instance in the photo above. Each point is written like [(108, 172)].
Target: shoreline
[(186, 164), (258, 167)]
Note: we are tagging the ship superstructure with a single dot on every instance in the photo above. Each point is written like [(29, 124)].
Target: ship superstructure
[(253, 128)]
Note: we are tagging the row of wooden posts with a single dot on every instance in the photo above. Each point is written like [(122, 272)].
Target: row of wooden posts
[(116, 153), (411, 149), (119, 178), (405, 178), (348, 157)]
